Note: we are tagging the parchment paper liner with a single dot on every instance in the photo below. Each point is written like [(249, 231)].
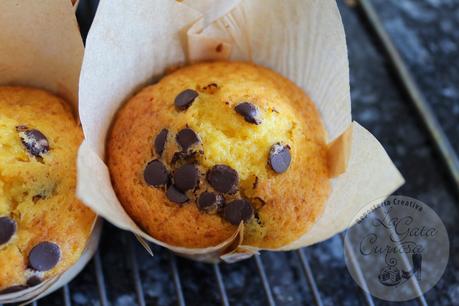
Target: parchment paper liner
[(131, 45), (41, 47)]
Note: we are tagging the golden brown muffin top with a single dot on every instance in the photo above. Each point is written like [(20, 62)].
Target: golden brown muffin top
[(214, 144), (43, 227)]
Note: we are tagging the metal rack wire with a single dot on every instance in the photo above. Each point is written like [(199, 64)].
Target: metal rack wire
[(432, 126)]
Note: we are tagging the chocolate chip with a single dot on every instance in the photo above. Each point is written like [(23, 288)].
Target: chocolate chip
[(34, 280), (186, 177), (279, 157), (249, 111), (186, 138), (185, 99), (44, 256), (13, 289), (210, 202), (238, 210), (21, 128), (257, 202), (210, 89), (177, 156), (37, 198), (183, 157), (255, 183), (175, 195), (211, 86), (223, 178), (160, 141), (7, 229), (35, 142), (155, 173)]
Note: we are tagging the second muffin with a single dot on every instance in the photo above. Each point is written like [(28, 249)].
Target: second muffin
[(43, 227)]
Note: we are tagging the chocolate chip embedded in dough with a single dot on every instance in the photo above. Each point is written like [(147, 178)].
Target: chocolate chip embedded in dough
[(160, 142), (175, 195), (21, 128), (223, 179), (279, 157), (255, 183), (186, 138), (185, 99), (257, 202), (238, 210), (183, 157), (210, 89), (35, 142), (34, 280), (44, 256), (156, 174), (186, 177), (37, 198), (210, 202), (249, 111), (7, 229)]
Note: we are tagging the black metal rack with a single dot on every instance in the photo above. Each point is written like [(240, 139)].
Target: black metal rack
[(301, 259)]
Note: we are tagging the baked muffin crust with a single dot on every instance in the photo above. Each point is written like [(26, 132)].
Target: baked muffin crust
[(246, 118)]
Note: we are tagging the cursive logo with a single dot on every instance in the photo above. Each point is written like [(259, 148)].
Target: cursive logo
[(393, 241)]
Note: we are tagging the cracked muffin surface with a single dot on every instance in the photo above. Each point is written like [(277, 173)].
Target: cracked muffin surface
[(43, 227), (215, 144)]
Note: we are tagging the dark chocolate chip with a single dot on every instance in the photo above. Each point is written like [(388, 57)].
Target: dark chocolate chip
[(210, 201), (13, 289), (7, 229), (223, 178), (160, 141), (186, 177), (238, 210), (279, 157), (211, 86), (249, 111), (209, 89), (186, 138), (176, 157), (155, 173), (255, 183), (21, 128), (188, 157), (185, 99), (257, 202), (44, 256), (37, 198), (175, 195), (34, 280), (35, 142)]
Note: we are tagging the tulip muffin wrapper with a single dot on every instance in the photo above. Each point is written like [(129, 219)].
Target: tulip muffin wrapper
[(131, 45), (42, 48)]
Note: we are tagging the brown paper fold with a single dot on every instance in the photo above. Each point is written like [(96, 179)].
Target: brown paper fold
[(339, 151), (41, 47), (129, 46)]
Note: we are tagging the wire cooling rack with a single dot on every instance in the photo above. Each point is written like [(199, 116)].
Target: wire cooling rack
[(177, 287)]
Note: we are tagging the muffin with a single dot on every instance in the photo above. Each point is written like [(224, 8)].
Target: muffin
[(43, 227), (215, 144)]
